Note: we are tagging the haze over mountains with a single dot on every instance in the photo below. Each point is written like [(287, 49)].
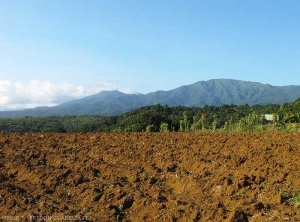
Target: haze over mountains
[(213, 92)]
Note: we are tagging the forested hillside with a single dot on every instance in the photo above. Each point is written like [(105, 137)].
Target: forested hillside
[(165, 118), (215, 92)]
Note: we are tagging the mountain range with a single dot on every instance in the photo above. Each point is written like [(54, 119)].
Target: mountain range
[(212, 92)]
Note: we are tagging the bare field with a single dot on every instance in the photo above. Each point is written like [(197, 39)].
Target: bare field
[(150, 177)]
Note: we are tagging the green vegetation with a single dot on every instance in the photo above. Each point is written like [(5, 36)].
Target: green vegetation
[(158, 118), (294, 195)]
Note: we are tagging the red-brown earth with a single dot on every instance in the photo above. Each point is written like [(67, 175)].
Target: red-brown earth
[(150, 177)]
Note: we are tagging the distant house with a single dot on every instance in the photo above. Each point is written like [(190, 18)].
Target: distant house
[(269, 117)]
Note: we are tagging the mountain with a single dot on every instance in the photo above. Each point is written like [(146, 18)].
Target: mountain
[(212, 92)]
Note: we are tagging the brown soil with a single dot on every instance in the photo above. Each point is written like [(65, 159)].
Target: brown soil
[(150, 177)]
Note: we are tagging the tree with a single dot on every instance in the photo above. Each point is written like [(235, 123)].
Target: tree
[(185, 121), (164, 127), (197, 124), (150, 128), (215, 122), (289, 117)]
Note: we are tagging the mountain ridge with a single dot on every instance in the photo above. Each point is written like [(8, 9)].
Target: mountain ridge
[(212, 92)]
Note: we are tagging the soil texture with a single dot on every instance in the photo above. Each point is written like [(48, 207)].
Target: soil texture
[(231, 177)]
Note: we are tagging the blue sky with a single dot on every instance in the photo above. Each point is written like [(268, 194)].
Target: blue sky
[(54, 51)]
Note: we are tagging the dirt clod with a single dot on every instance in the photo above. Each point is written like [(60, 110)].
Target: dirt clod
[(238, 216)]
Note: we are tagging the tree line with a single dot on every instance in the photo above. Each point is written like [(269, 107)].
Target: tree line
[(156, 118)]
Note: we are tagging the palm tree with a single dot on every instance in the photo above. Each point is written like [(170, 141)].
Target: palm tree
[(297, 115), (289, 117)]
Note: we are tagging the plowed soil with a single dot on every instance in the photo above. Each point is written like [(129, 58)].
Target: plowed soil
[(150, 177)]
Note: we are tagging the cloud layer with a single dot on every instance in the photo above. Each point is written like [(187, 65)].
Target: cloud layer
[(16, 95)]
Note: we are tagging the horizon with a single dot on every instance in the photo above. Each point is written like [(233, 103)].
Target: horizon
[(116, 90), (56, 51)]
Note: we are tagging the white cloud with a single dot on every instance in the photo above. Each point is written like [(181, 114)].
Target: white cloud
[(17, 95)]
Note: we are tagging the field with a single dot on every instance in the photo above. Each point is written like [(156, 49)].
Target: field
[(231, 177)]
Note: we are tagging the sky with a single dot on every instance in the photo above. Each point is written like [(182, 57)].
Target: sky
[(55, 51)]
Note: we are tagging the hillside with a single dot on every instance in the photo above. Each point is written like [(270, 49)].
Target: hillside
[(213, 92)]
